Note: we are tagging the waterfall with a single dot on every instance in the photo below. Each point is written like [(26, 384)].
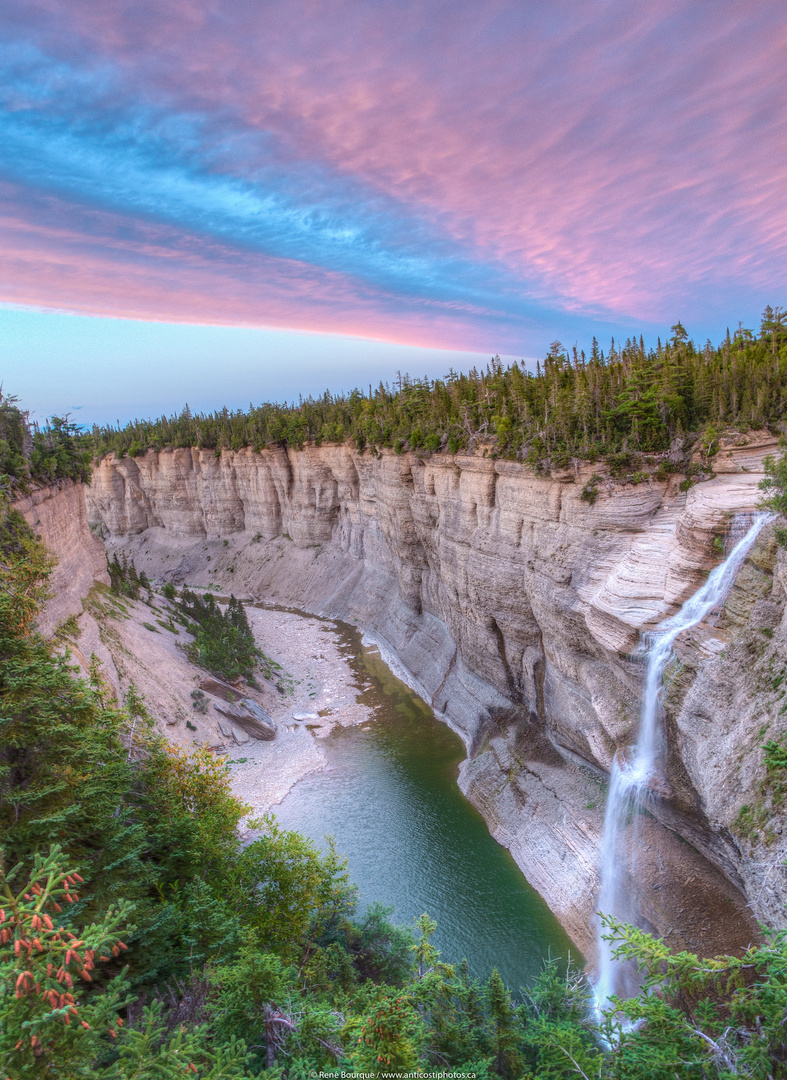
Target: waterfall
[(636, 772)]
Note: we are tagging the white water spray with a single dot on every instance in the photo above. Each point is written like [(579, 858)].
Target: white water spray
[(636, 774)]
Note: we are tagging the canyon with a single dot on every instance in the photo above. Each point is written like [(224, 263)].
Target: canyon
[(514, 606)]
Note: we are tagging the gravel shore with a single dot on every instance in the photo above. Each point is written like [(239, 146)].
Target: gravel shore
[(322, 692)]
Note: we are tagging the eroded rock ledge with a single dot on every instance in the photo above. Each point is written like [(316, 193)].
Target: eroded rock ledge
[(513, 607)]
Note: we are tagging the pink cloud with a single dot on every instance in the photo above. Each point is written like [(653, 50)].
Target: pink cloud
[(612, 155), (150, 271)]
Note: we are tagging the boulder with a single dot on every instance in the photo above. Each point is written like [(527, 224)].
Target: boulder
[(231, 730), (218, 688), (248, 715)]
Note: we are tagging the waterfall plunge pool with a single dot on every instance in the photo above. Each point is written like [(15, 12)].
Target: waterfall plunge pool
[(389, 798)]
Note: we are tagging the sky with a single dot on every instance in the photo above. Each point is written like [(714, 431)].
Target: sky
[(224, 201)]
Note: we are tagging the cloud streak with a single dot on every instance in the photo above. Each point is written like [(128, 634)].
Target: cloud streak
[(461, 174)]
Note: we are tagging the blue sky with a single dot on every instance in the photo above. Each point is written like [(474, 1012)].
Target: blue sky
[(103, 370), (219, 202)]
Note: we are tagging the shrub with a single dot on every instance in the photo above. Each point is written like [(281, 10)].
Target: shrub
[(664, 469), (199, 701), (123, 576), (775, 484), (589, 492), (620, 463)]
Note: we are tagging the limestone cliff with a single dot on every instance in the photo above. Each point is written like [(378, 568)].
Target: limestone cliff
[(57, 515), (515, 607)]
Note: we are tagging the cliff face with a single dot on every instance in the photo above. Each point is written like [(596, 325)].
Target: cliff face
[(57, 514), (514, 607)]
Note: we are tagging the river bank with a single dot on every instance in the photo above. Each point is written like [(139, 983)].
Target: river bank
[(321, 692)]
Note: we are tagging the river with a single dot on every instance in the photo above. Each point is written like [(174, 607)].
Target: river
[(389, 797)]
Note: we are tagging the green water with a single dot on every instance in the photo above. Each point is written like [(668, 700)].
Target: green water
[(389, 798)]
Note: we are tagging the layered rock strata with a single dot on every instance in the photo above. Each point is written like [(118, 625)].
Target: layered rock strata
[(515, 606), (57, 515)]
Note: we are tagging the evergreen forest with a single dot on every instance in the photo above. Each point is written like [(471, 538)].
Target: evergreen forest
[(31, 454), (576, 404)]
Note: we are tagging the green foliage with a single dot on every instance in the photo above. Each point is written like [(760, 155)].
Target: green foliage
[(200, 702), (152, 1050), (27, 452), (775, 484), (223, 641), (59, 1013), (45, 969), (589, 492), (14, 440), (294, 889), (60, 450), (123, 576), (379, 950), (505, 1036), (706, 1018), (627, 401), (24, 569), (78, 771), (389, 1037), (776, 769), (770, 793), (663, 470)]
